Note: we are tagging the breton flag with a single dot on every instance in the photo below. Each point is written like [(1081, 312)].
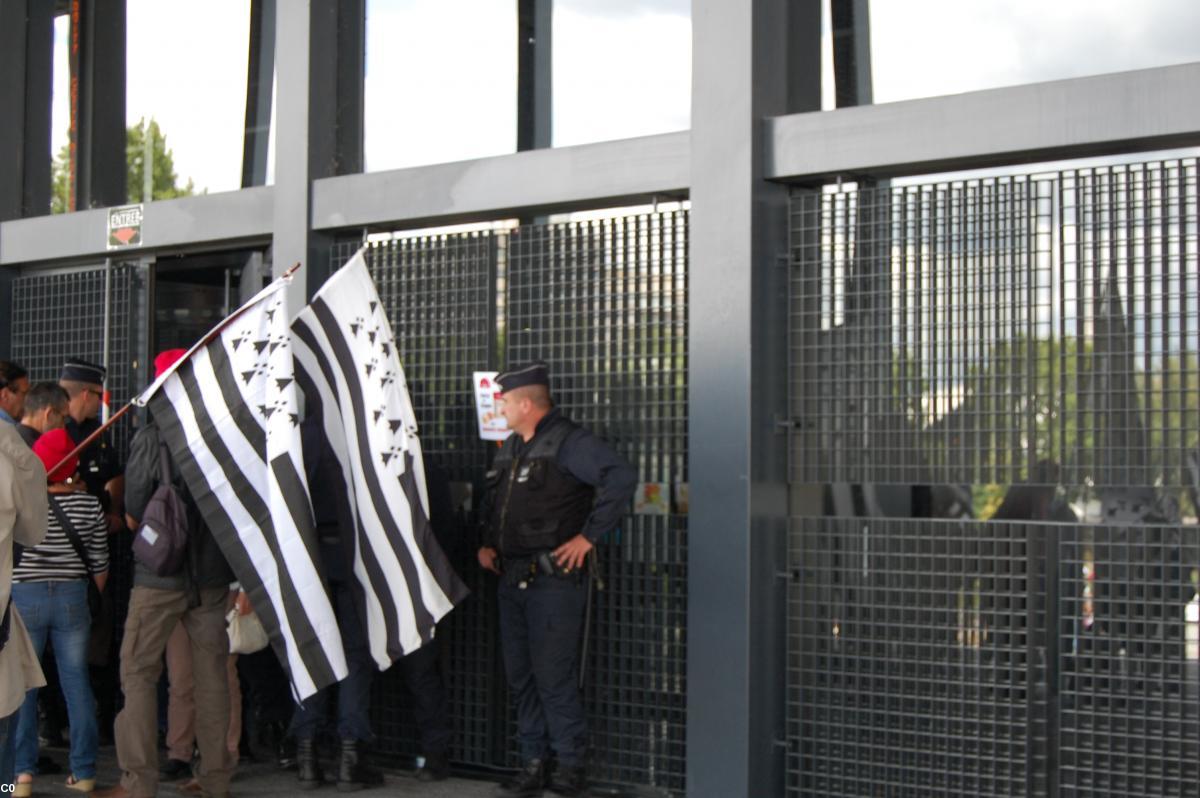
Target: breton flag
[(228, 412), (350, 373)]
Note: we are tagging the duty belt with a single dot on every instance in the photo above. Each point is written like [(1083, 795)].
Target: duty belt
[(522, 571)]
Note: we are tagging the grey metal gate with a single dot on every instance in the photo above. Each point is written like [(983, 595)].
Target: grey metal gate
[(61, 314), (1015, 361), (605, 303), (77, 313)]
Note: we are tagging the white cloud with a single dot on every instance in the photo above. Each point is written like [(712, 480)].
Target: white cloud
[(620, 76), (923, 48), (625, 8), (441, 81), (187, 66)]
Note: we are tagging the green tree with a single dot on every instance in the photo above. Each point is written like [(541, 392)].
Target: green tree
[(165, 181), (1056, 411)]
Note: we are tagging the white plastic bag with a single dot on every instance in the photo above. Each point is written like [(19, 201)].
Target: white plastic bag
[(246, 633)]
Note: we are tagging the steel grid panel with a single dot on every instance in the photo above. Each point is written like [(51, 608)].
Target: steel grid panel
[(438, 292), (604, 302), (964, 332), (909, 658), (1129, 687), (61, 315)]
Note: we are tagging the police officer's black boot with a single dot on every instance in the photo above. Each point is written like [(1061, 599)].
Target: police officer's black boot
[(528, 782), (353, 773), (308, 769), (570, 780)]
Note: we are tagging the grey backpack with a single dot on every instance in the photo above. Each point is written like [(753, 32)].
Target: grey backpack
[(161, 541)]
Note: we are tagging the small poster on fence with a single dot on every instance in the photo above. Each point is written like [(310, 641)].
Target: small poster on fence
[(492, 426)]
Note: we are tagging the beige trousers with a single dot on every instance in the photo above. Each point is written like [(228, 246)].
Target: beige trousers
[(153, 616), (181, 702)]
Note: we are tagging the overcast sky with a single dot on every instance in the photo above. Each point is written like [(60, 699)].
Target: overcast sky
[(441, 74)]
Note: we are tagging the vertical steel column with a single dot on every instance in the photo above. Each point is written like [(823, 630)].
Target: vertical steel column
[(851, 52), (98, 65), (6, 302), (259, 85), (309, 144), (535, 20), (351, 91), (26, 51), (738, 393)]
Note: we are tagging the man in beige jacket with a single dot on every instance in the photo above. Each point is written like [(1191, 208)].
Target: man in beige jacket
[(22, 520)]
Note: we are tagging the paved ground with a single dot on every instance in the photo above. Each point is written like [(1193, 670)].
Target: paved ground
[(267, 781)]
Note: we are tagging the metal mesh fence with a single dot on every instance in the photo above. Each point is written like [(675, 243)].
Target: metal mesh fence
[(911, 655), (962, 333), (62, 315), (604, 302), (1023, 349), (1129, 687), (439, 295)]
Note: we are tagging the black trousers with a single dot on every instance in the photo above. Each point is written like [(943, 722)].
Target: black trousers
[(424, 676), (540, 628)]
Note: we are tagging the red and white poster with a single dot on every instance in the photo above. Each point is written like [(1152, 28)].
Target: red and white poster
[(492, 426)]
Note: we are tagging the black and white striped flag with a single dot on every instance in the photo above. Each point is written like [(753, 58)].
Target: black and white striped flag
[(350, 372), (228, 412)]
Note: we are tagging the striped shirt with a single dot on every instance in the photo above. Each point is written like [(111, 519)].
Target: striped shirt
[(55, 560)]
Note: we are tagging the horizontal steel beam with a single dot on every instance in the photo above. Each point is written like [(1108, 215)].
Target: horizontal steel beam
[(1120, 113), (524, 183), (167, 224), (1148, 109)]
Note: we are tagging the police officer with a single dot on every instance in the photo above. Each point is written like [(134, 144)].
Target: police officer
[(84, 384), (554, 491)]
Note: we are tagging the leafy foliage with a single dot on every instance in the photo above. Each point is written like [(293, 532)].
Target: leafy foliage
[(165, 181)]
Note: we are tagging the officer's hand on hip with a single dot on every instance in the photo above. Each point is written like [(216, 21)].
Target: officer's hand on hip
[(571, 554), (487, 559)]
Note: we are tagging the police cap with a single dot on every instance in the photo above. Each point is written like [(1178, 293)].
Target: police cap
[(535, 373), (79, 370)]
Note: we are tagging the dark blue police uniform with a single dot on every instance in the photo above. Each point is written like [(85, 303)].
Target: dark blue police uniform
[(98, 462), (563, 482)]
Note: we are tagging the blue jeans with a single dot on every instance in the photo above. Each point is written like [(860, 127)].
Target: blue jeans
[(59, 610)]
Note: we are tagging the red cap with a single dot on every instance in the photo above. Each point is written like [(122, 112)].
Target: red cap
[(166, 359), (51, 448)]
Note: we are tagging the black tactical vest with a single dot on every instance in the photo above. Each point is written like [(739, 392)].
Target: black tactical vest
[(536, 505)]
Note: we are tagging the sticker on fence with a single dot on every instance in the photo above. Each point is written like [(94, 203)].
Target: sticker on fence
[(492, 426)]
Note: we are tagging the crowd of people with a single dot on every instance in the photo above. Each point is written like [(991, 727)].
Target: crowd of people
[(554, 491)]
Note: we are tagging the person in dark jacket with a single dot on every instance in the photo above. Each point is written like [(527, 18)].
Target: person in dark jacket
[(554, 491), (84, 384), (424, 669), (197, 594), (332, 516)]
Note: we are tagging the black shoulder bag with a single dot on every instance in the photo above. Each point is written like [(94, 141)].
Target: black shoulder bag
[(95, 600)]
